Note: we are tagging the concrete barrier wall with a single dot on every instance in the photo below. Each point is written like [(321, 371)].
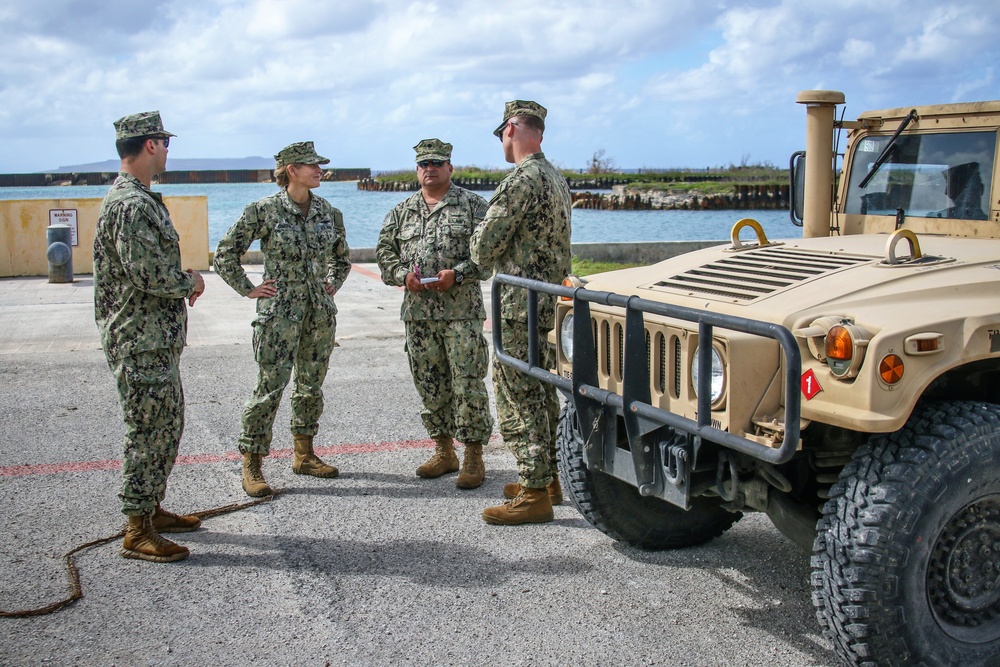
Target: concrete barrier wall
[(621, 253), (22, 233), (638, 253)]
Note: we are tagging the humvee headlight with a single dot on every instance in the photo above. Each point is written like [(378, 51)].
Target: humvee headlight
[(566, 337), (845, 349), (718, 383)]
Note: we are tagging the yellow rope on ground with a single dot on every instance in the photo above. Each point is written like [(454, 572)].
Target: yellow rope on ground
[(76, 591)]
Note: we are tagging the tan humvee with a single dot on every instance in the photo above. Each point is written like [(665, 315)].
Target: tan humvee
[(852, 389)]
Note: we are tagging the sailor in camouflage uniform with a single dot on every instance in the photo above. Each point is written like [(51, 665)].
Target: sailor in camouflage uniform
[(427, 236), (526, 233), (139, 292), (306, 260)]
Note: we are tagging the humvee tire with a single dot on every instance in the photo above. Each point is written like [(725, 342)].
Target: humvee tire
[(617, 509), (906, 562)]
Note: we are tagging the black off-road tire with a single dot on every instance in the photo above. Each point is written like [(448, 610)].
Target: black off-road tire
[(617, 510), (906, 563)]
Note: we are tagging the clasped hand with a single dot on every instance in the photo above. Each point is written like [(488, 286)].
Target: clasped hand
[(445, 280)]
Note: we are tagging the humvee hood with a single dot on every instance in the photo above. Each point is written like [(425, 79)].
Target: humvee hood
[(833, 275)]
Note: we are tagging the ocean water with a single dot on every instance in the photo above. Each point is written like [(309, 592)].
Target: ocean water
[(365, 211)]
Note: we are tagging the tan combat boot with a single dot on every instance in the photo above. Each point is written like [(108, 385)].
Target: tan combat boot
[(253, 476), (168, 522), (442, 461), (143, 542), (512, 489), (531, 506), (305, 461), (473, 469)]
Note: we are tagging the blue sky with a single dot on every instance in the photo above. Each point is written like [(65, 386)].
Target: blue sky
[(654, 83)]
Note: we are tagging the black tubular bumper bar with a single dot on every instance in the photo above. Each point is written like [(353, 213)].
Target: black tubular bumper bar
[(634, 401)]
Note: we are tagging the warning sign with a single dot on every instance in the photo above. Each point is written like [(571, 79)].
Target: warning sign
[(66, 216)]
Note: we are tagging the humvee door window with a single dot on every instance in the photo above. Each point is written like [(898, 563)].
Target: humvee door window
[(945, 175)]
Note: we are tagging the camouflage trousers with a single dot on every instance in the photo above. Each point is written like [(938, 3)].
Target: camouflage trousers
[(528, 409), (448, 361), (281, 346), (152, 402)]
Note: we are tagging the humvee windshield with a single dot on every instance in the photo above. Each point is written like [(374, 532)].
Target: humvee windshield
[(945, 175)]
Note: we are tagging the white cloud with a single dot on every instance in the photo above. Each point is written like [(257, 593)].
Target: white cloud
[(857, 52), (653, 82)]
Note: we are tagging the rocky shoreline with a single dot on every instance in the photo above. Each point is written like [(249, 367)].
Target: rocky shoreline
[(624, 198)]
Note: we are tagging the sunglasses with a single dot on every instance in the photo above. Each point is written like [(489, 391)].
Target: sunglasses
[(423, 164), (500, 132), (165, 140)]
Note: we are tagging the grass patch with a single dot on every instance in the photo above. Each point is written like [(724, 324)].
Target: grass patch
[(585, 267)]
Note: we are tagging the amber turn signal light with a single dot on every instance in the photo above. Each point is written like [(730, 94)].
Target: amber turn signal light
[(845, 349), (570, 281), (839, 345)]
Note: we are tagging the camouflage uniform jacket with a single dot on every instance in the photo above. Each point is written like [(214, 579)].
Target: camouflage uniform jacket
[(300, 254), (139, 286), (413, 237), (527, 233)]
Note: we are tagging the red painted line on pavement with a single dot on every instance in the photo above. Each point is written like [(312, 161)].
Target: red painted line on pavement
[(193, 459)]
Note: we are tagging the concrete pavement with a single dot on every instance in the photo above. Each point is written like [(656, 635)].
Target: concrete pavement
[(375, 567)]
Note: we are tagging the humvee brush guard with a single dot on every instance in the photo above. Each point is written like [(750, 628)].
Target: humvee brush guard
[(846, 383)]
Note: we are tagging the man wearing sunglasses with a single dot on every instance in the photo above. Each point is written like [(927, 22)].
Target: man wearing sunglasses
[(526, 233), (424, 247), (139, 293)]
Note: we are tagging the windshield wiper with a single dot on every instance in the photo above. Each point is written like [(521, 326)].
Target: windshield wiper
[(884, 155)]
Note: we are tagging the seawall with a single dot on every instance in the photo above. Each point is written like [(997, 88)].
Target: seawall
[(171, 177)]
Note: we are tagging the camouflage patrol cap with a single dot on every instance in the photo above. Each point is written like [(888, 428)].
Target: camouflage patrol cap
[(520, 108), (143, 124), (301, 152), (433, 149)]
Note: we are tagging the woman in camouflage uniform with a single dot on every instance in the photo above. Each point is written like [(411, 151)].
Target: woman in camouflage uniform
[(306, 260)]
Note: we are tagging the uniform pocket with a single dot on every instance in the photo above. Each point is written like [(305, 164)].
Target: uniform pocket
[(409, 239), (455, 240), (151, 389), (266, 341), (284, 242), (326, 234)]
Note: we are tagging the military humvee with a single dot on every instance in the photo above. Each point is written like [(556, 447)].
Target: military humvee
[(846, 383)]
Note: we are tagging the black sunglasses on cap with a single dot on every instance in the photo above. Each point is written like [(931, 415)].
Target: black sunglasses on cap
[(423, 164)]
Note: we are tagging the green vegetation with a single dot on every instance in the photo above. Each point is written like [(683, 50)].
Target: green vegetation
[(397, 177), (460, 173), (707, 181), (585, 267)]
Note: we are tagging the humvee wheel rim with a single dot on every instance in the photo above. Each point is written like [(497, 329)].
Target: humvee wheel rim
[(964, 573)]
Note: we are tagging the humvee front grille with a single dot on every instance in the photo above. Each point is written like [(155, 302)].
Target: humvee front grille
[(754, 274), (664, 354), (677, 367)]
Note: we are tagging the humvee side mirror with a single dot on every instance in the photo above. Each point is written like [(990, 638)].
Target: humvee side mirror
[(797, 187)]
